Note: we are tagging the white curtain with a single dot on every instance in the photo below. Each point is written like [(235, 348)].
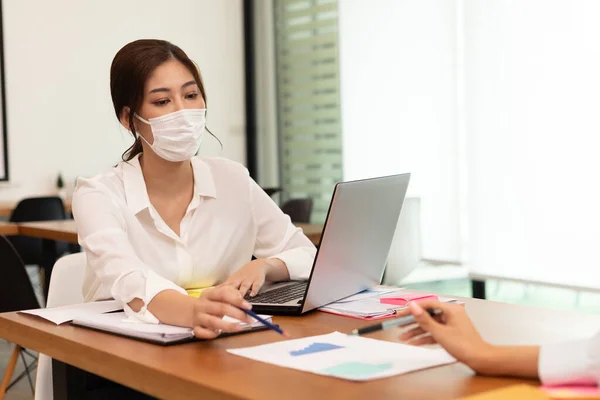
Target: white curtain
[(533, 138), (398, 99), (494, 106)]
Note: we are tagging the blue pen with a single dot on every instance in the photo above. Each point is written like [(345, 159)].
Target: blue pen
[(266, 323)]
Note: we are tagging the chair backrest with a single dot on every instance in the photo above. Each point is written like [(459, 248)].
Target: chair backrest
[(67, 280), (272, 190), (299, 210), (39, 209), (405, 252), (16, 290), (65, 288), (35, 209)]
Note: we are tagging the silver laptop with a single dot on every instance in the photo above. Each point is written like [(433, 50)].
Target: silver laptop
[(354, 247)]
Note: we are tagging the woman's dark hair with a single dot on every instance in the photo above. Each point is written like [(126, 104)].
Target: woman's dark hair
[(130, 69)]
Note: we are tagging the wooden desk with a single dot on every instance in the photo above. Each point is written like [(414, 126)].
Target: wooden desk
[(63, 230), (312, 231), (205, 370), (7, 207)]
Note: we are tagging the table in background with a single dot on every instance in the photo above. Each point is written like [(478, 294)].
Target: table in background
[(9, 229), (205, 370), (61, 230), (312, 231), (66, 230), (50, 232)]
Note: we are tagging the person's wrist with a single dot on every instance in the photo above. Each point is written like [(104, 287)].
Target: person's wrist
[(272, 266), (482, 357), (195, 306)]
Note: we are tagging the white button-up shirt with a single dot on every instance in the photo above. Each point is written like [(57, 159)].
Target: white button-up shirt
[(576, 362), (132, 253)]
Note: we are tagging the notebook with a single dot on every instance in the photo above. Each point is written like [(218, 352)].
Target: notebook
[(119, 324)]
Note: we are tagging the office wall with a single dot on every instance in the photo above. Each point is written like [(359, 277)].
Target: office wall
[(399, 105), (57, 57)]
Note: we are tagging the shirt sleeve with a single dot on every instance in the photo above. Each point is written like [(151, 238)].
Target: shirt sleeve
[(278, 238), (576, 362), (102, 234)]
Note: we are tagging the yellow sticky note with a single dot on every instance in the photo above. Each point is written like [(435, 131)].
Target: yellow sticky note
[(195, 292), (516, 392)]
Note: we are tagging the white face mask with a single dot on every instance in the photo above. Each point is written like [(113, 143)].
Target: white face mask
[(177, 135)]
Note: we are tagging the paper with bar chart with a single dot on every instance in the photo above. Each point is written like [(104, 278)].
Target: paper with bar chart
[(347, 357)]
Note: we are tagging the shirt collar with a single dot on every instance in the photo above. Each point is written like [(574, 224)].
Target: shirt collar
[(135, 186), (204, 184), (136, 194)]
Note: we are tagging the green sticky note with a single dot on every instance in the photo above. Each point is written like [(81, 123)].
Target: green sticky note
[(356, 370)]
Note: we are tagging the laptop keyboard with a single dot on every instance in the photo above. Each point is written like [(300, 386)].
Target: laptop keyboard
[(280, 295)]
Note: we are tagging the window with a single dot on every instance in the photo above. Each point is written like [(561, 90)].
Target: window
[(308, 100)]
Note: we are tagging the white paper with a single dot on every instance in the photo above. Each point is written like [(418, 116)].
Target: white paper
[(348, 357), (60, 315)]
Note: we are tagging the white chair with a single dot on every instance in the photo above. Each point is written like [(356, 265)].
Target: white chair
[(65, 288), (405, 251)]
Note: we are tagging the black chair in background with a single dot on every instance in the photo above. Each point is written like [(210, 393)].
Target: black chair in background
[(37, 209), (16, 294), (35, 251), (271, 191), (299, 210)]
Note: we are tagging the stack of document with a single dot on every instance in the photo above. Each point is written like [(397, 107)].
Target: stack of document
[(367, 304), (364, 305), (119, 324)]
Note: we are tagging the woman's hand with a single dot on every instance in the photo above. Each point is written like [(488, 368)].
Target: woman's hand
[(212, 306), (452, 329), (252, 276), (455, 332)]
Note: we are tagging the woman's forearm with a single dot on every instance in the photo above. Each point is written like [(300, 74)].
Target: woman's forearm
[(277, 270), (170, 307), (520, 361)]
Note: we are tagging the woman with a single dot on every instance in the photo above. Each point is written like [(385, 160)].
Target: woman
[(576, 362), (164, 220)]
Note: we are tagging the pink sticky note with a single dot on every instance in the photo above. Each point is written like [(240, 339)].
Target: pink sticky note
[(404, 299), (571, 392)]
